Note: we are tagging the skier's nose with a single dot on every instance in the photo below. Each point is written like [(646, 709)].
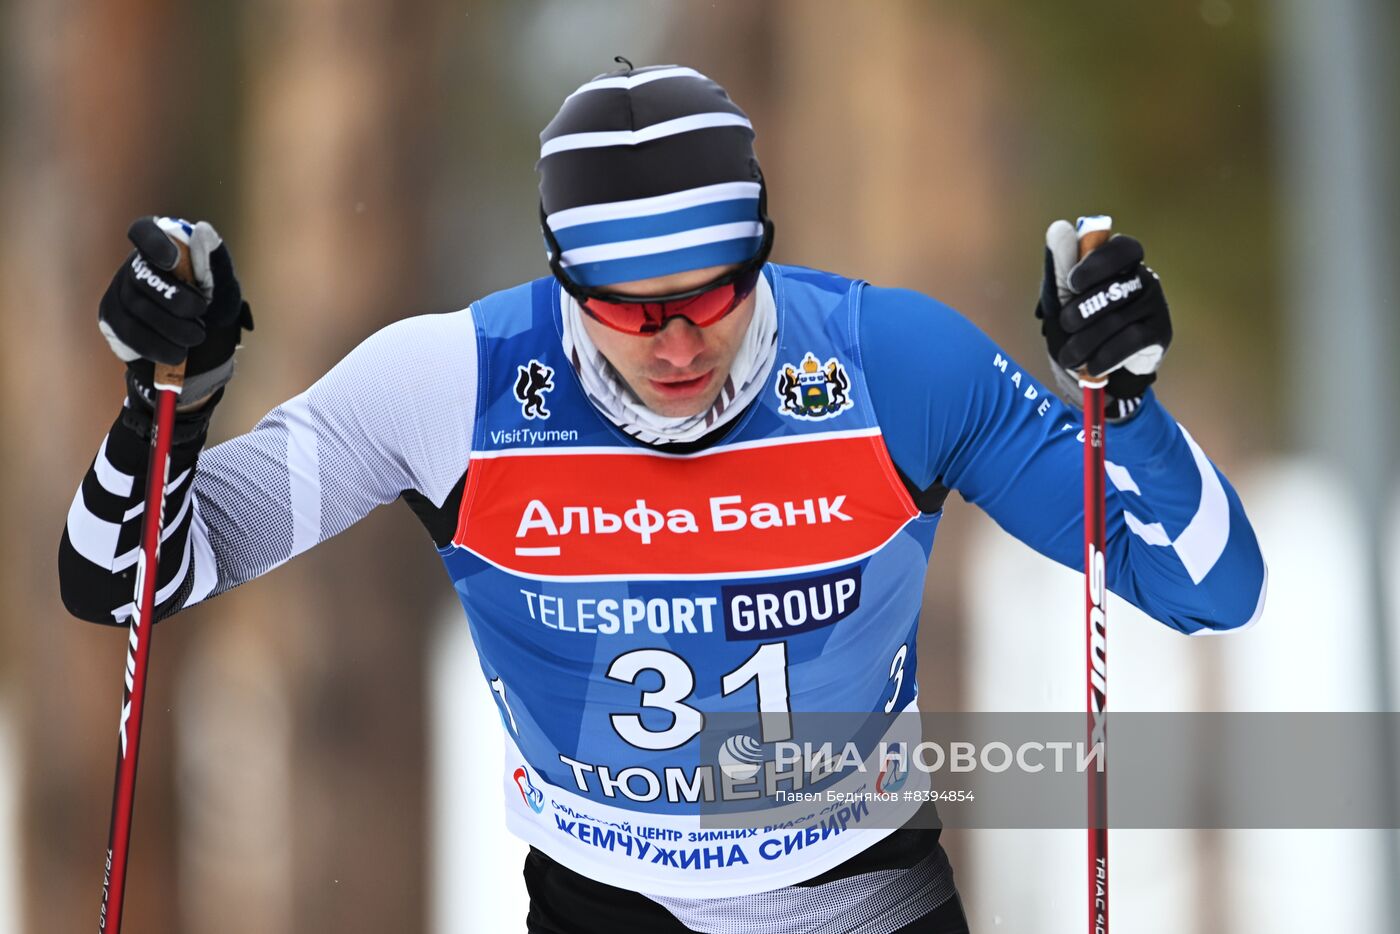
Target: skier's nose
[(678, 343)]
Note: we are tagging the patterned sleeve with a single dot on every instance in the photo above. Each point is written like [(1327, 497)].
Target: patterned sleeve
[(395, 415), (957, 411)]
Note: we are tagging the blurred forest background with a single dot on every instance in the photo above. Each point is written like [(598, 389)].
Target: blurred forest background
[(372, 160)]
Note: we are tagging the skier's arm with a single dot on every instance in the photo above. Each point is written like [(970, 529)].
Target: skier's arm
[(958, 411), (396, 414)]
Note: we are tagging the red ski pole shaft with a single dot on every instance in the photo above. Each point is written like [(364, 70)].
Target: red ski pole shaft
[(169, 381), (1093, 232)]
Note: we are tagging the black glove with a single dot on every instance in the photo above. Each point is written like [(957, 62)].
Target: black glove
[(1107, 314), (149, 316)]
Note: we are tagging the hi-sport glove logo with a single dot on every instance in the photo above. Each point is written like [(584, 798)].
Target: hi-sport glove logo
[(812, 392), (1117, 292), (534, 380), (144, 273)]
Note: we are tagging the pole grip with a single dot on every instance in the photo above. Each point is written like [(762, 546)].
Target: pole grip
[(169, 376), (1094, 231), (1091, 240)]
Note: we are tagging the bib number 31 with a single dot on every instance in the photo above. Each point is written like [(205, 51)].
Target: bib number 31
[(767, 667)]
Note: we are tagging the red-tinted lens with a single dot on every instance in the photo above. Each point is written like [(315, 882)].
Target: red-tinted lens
[(700, 310)]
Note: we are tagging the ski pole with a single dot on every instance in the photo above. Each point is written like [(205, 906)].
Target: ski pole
[(169, 381), (1093, 232)]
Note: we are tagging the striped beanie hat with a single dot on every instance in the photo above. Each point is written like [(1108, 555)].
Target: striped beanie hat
[(646, 172)]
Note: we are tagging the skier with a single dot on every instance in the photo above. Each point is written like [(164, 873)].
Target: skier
[(672, 480)]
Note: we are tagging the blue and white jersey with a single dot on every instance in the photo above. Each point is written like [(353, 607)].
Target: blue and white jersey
[(619, 595)]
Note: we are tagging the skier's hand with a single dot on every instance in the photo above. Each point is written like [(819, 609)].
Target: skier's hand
[(1106, 314), (149, 316)]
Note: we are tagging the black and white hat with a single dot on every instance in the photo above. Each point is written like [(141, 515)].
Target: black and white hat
[(650, 171)]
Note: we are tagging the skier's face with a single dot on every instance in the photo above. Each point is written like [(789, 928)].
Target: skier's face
[(679, 370)]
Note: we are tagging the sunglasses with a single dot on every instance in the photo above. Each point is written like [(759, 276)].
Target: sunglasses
[(702, 306)]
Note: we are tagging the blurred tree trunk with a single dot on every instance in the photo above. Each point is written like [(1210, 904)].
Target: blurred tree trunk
[(336, 123), (87, 143)]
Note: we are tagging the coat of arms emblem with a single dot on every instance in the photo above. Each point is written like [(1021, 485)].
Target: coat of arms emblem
[(810, 390)]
